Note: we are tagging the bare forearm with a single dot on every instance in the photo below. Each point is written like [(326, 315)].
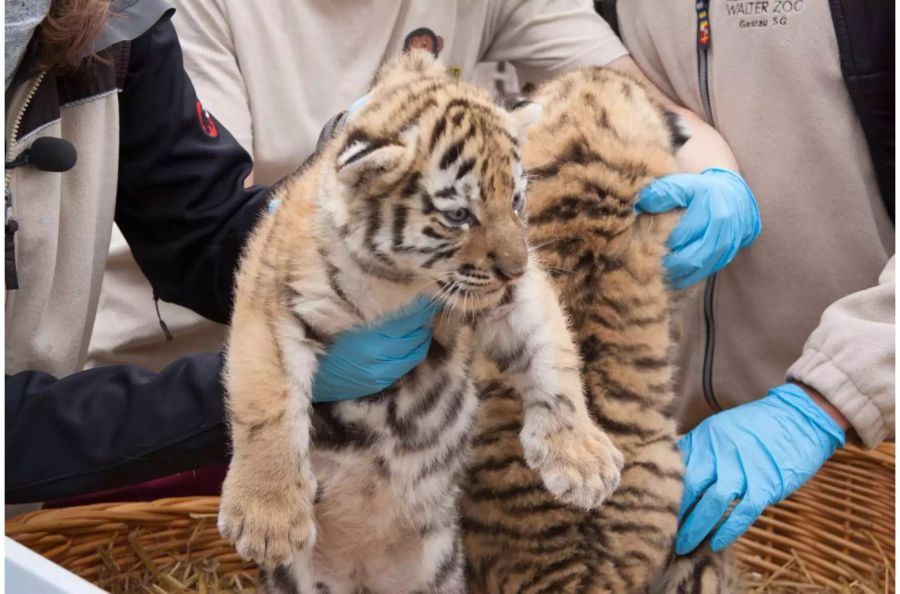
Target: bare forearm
[(706, 148), (820, 400)]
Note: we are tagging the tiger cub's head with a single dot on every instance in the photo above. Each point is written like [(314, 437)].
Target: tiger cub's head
[(427, 185)]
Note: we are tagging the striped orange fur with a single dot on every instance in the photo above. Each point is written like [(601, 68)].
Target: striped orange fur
[(601, 139), (421, 194)]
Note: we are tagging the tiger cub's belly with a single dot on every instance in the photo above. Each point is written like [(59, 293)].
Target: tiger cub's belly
[(351, 488), (389, 470), (365, 528)]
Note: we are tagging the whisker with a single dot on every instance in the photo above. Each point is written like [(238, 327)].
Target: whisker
[(532, 248), (565, 270)]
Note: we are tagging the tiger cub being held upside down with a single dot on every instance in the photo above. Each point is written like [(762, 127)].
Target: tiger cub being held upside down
[(420, 194), (601, 139)]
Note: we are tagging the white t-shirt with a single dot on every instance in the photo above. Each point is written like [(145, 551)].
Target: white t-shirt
[(274, 71)]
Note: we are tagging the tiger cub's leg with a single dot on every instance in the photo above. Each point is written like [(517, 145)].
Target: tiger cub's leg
[(519, 539), (529, 341), (448, 576), (443, 563), (266, 509)]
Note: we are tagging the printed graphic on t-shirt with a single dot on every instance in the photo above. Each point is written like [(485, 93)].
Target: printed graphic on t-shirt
[(764, 14), (426, 39)]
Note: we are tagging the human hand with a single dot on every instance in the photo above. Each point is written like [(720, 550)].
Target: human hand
[(721, 217), (759, 452), (365, 360)]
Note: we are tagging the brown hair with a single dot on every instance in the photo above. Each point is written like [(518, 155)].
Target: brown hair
[(68, 32)]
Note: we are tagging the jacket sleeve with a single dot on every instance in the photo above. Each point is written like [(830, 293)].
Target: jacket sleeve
[(545, 38), (182, 205), (849, 359), (111, 426), (204, 32)]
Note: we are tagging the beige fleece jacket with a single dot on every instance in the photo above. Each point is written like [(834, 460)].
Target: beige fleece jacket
[(64, 223), (812, 299)]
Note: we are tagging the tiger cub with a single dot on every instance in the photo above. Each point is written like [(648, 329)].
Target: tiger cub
[(600, 140), (421, 193)]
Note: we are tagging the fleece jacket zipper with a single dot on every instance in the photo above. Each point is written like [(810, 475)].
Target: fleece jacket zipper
[(704, 42), (12, 225)]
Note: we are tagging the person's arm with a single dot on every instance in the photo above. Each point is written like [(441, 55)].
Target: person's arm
[(836, 415), (181, 203), (206, 38), (546, 38), (762, 451), (721, 215), (111, 426), (849, 360)]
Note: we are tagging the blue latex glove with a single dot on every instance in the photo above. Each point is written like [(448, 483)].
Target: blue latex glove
[(759, 452), (721, 217), (357, 104), (365, 360)]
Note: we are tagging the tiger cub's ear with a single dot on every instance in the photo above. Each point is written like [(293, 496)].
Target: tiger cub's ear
[(411, 64), (524, 113), (372, 165), (679, 131)]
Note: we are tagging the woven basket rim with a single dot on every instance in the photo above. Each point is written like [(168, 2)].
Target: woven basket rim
[(164, 509), (845, 534)]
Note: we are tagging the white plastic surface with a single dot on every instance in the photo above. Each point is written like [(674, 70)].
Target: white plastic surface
[(29, 573)]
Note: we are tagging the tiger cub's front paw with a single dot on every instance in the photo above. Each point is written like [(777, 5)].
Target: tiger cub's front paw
[(267, 525), (577, 463)]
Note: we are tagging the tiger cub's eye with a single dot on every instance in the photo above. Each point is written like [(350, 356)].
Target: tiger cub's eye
[(518, 202), (457, 215)]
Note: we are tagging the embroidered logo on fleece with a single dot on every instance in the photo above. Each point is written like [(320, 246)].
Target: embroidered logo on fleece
[(764, 14), (426, 39), (207, 124)]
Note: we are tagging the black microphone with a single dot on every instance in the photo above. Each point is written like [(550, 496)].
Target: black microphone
[(47, 154)]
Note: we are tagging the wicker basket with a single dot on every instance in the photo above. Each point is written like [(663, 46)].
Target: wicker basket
[(171, 545), (835, 534)]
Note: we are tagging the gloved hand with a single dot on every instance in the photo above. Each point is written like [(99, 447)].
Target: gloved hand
[(368, 359), (759, 452), (721, 218)]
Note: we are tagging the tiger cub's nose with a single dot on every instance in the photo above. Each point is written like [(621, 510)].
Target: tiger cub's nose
[(508, 273)]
